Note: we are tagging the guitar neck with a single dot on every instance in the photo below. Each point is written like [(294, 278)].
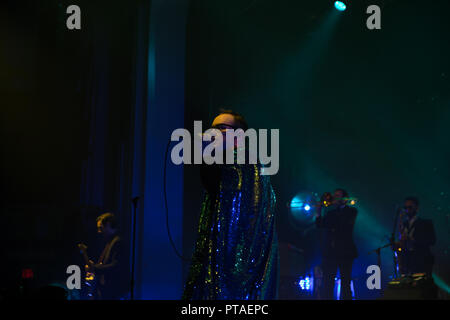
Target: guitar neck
[(86, 258), (85, 255)]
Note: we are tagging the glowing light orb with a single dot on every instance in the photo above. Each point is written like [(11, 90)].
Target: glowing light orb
[(339, 5), (296, 203)]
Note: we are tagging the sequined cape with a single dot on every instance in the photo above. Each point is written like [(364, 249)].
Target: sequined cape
[(236, 252)]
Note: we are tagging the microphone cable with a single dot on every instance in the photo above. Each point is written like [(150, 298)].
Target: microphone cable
[(167, 208)]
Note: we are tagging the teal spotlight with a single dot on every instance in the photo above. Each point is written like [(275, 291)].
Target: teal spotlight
[(296, 203), (339, 5)]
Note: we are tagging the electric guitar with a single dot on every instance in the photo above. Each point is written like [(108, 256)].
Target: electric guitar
[(90, 279)]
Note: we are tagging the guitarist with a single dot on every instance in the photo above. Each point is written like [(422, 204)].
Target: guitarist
[(109, 278)]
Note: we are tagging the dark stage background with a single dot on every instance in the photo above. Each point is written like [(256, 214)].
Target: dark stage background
[(364, 110), (67, 100), (86, 115)]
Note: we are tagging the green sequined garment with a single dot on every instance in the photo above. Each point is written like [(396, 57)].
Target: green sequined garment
[(236, 253)]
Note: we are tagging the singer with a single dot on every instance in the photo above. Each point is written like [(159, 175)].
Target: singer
[(236, 252)]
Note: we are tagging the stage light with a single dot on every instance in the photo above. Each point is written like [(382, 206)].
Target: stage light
[(352, 289), (338, 288), (339, 5), (337, 283), (301, 209), (296, 203), (27, 273), (299, 205), (306, 283)]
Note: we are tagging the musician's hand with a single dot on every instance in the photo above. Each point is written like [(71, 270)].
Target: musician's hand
[(90, 266)]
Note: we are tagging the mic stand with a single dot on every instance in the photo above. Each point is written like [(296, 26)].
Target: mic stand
[(394, 254), (378, 252), (390, 244), (135, 203)]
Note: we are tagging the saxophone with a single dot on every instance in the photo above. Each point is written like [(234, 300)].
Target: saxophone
[(400, 246)]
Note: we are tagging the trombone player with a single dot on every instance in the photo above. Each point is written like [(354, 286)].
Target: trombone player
[(337, 220)]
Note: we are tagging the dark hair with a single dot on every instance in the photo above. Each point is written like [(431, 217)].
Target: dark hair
[(413, 199), (107, 218), (344, 192), (242, 123)]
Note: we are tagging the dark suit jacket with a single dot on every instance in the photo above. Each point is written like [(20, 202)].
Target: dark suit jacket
[(418, 256), (337, 225)]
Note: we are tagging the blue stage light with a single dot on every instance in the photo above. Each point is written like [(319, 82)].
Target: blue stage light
[(306, 284), (301, 209), (339, 5), (296, 203), (338, 288)]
